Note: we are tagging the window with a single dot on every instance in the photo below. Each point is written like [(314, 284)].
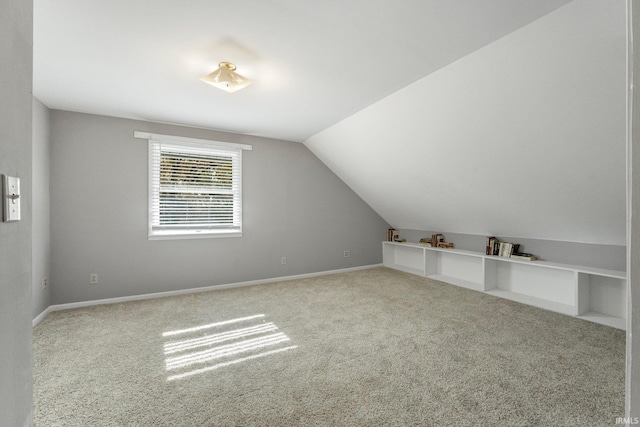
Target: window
[(195, 187)]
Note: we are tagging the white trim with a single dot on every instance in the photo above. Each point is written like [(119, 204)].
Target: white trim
[(630, 405), (42, 315), (183, 235), (157, 136), (81, 304), (159, 147)]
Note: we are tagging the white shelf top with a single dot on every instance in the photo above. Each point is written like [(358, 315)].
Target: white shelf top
[(579, 268), (414, 245), (450, 250)]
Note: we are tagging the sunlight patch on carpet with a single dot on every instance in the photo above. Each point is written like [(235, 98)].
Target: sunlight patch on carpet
[(230, 362), (207, 340), (208, 347), (211, 325)]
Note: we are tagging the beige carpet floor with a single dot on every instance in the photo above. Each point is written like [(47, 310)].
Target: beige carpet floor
[(368, 348)]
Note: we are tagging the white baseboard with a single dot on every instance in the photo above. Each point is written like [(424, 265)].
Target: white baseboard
[(80, 304), (42, 315)]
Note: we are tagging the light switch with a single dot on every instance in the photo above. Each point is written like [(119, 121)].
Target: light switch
[(11, 198)]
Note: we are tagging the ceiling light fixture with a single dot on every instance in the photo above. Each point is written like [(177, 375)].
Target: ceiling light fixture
[(226, 78)]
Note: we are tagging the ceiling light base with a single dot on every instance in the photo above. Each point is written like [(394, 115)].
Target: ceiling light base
[(226, 78)]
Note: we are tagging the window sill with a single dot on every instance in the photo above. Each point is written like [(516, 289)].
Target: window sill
[(182, 235)]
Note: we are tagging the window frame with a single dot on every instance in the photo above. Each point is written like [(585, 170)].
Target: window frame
[(191, 146)]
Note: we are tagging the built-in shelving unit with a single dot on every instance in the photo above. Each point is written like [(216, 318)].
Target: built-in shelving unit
[(592, 294)]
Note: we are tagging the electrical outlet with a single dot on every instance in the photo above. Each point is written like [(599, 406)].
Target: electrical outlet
[(93, 279), (283, 260), (45, 283), (347, 254)]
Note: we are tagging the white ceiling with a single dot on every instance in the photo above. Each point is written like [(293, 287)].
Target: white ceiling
[(313, 63)]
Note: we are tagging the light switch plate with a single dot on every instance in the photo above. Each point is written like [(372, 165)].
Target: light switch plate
[(11, 198)]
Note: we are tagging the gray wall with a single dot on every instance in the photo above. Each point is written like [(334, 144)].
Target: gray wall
[(612, 257), (294, 207), (41, 252), (16, 47)]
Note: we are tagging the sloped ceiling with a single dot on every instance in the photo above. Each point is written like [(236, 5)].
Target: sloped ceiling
[(314, 63), (524, 137)]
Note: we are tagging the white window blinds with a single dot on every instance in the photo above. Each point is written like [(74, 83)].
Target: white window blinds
[(195, 188)]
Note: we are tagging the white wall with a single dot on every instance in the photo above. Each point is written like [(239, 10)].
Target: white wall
[(524, 137), (16, 47), (41, 247), (293, 207)]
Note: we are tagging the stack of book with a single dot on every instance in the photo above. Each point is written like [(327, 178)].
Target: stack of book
[(436, 241), (394, 236), (506, 249), (426, 242), (522, 256), (493, 246)]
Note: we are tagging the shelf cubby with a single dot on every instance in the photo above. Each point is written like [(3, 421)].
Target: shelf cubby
[(405, 258)]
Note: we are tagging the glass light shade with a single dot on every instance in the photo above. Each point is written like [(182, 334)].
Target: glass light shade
[(226, 78)]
